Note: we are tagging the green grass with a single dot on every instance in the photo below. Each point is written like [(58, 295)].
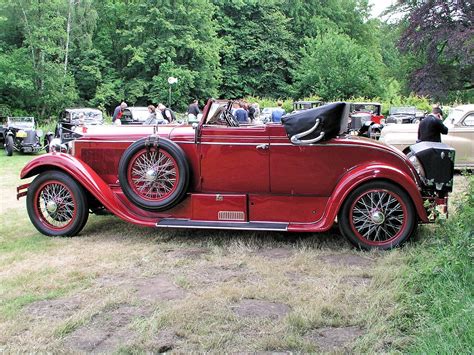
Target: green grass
[(428, 303)]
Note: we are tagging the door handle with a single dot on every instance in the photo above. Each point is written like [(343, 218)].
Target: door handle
[(262, 146)]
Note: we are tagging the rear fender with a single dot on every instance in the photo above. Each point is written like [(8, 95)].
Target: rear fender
[(356, 177), (88, 178), (362, 174)]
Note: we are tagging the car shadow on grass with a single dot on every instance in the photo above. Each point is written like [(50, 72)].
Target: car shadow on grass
[(114, 229)]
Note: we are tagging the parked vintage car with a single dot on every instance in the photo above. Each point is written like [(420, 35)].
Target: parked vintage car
[(365, 119), (298, 176), (71, 118), (400, 115), (266, 114), (20, 134), (460, 123), (135, 115), (306, 105)]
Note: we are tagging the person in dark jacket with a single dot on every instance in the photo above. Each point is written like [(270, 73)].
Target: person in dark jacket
[(431, 127), (167, 113), (193, 108)]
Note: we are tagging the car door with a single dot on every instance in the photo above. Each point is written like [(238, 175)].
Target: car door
[(461, 137), (234, 159)]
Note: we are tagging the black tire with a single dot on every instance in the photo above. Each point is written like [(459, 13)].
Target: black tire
[(47, 140), (67, 198), (165, 184), (377, 215), (9, 146)]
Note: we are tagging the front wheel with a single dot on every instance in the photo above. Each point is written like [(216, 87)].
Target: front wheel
[(9, 146), (377, 215), (57, 204)]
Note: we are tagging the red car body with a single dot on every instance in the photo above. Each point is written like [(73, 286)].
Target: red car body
[(246, 177)]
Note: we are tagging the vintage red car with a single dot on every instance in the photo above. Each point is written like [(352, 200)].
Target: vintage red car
[(299, 176)]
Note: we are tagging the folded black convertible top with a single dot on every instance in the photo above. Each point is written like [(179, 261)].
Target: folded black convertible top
[(317, 124)]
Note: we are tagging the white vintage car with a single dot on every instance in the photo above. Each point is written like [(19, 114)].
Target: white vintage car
[(460, 123)]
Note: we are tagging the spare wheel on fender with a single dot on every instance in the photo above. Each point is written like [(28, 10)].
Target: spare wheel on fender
[(154, 176)]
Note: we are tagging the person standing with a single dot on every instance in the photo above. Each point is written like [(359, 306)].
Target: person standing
[(431, 127), (167, 113), (278, 113), (118, 112), (193, 108), (240, 114)]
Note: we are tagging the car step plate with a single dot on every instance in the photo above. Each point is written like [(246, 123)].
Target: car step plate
[(186, 223)]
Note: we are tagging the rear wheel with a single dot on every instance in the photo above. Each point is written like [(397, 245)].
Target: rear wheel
[(9, 146), (377, 215), (57, 204)]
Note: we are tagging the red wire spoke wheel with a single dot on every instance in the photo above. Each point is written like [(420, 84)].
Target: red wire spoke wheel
[(154, 178), (154, 175), (57, 205), (377, 215)]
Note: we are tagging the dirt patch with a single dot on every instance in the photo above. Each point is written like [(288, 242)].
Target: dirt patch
[(260, 308), (334, 339), (219, 274), (107, 331), (56, 309), (275, 253), (357, 280), (163, 341), (347, 260), (188, 253), (157, 288)]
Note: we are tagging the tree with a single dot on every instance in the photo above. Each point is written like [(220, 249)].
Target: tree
[(441, 33), (334, 66), (256, 55)]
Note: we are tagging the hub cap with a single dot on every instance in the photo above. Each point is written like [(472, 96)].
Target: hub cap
[(51, 206), (377, 217)]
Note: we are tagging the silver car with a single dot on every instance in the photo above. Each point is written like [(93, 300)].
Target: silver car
[(460, 123)]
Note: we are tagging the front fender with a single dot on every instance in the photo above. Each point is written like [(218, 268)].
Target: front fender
[(356, 177), (86, 177)]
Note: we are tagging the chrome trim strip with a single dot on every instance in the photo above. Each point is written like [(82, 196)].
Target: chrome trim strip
[(231, 143), (220, 228), (103, 141)]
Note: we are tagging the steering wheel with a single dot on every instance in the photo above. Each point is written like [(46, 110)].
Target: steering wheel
[(230, 119)]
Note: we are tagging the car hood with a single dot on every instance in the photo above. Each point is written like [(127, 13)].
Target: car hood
[(133, 133), (406, 128)]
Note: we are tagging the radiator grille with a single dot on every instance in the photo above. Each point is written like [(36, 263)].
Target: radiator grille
[(231, 216)]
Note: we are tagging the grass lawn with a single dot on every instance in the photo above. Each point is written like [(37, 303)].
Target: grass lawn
[(122, 288)]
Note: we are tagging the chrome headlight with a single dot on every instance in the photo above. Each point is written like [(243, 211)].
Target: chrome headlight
[(39, 133), (21, 134), (417, 165)]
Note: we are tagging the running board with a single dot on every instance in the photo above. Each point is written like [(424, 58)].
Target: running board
[(187, 223)]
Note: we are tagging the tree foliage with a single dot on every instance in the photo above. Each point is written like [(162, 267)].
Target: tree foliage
[(441, 32), (60, 53)]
